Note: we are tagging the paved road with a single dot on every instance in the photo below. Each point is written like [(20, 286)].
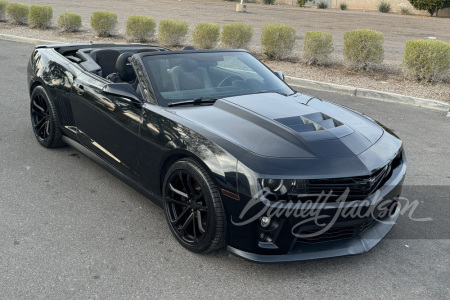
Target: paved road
[(70, 230)]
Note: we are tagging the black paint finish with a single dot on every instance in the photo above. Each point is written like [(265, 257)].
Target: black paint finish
[(237, 139)]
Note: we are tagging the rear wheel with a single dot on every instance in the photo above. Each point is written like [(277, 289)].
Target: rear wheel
[(44, 120), (193, 207)]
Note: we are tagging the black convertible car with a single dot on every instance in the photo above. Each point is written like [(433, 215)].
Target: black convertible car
[(233, 155)]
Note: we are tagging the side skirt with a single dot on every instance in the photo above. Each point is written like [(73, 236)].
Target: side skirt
[(106, 165)]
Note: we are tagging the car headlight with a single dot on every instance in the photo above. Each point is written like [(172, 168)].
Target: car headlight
[(283, 186)]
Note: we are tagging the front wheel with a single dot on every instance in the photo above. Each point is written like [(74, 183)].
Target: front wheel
[(44, 119), (193, 207)]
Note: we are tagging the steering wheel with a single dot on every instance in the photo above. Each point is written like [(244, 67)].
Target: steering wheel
[(228, 78)]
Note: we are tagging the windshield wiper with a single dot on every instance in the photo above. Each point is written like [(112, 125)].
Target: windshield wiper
[(199, 100), (276, 92)]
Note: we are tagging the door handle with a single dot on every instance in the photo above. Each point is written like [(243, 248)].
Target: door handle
[(79, 89)]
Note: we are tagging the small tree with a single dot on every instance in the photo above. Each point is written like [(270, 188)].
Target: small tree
[(432, 6)]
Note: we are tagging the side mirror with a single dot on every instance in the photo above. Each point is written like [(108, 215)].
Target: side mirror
[(122, 90), (279, 74)]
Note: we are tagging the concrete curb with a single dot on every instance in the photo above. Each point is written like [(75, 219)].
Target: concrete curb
[(366, 93), (306, 83), (20, 39)]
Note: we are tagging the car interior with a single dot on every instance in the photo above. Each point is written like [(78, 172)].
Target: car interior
[(175, 78)]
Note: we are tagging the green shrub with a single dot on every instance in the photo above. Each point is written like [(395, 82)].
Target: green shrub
[(384, 7), (172, 32), (426, 60), (277, 40), (3, 5), (206, 35), (269, 2), (343, 6), (317, 47), (17, 13), (405, 11), (301, 3), (103, 22), (40, 16), (322, 5), (141, 28), (69, 22), (363, 49), (236, 35)]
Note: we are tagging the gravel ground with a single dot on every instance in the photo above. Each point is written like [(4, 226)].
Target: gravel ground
[(397, 29)]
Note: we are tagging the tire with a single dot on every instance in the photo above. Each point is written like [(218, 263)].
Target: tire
[(193, 207), (44, 119)]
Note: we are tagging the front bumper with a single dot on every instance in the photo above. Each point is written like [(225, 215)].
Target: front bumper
[(348, 235), (360, 244)]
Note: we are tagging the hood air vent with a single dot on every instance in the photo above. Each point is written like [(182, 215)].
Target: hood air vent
[(311, 122)]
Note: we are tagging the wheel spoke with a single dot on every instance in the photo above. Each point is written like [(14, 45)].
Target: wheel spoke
[(186, 223), (189, 185), (42, 127), (47, 127), (169, 199), (194, 226), (200, 195), (199, 220), (203, 208), (177, 220), (40, 123), (36, 105), (38, 113), (178, 191), (180, 175)]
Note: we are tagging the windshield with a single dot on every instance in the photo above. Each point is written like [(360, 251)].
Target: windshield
[(209, 75)]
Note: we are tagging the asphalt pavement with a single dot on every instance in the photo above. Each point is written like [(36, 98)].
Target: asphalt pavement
[(71, 230)]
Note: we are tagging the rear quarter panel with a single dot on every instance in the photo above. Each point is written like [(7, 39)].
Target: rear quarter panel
[(56, 74)]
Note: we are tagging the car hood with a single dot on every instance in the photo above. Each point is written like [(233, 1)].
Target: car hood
[(297, 126)]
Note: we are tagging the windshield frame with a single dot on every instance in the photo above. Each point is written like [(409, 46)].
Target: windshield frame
[(161, 101)]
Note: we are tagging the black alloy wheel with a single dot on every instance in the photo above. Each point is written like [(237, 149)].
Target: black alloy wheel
[(193, 207), (44, 119)]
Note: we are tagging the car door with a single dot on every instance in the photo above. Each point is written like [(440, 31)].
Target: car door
[(107, 124)]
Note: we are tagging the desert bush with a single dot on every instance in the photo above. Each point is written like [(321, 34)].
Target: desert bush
[(317, 47), (237, 35), (206, 35), (277, 40), (426, 60), (40, 16), (322, 5), (103, 22), (405, 11), (3, 5), (172, 32), (343, 6), (301, 3), (141, 28), (269, 2), (363, 49), (384, 7), (17, 13), (69, 22)]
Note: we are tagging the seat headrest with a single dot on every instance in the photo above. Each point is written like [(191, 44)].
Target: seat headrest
[(124, 68), (189, 65)]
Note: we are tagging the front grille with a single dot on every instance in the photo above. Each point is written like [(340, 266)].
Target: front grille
[(334, 234), (358, 187)]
